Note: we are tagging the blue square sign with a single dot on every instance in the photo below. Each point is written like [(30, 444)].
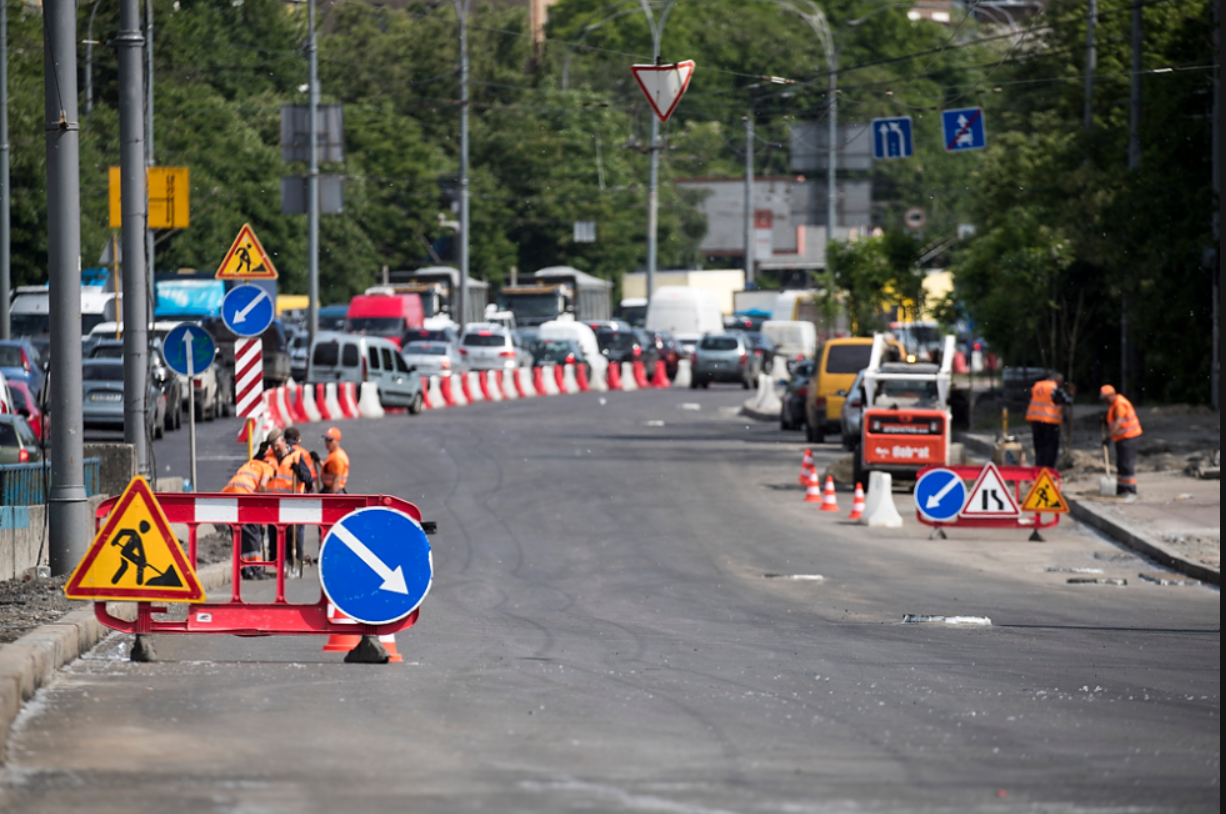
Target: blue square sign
[(964, 129), (892, 138)]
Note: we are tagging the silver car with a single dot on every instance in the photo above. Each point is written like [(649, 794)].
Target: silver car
[(725, 358), (853, 411), (485, 346), (434, 358)]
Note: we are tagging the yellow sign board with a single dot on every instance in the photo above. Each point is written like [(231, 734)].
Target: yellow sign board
[(135, 558), (169, 193), (1044, 496), (246, 259)]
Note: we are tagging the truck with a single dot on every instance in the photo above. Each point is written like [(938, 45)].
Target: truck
[(437, 286), (559, 292), (384, 312)]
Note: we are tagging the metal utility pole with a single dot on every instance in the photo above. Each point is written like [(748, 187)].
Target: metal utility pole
[(653, 184), (1134, 163), (1091, 62), (6, 279), (149, 158), (134, 200), (461, 297), (832, 193), (67, 508), (312, 178), (1216, 376), (749, 243)]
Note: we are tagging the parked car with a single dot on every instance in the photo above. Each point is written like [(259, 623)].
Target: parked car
[(21, 361), (173, 386), (486, 346), (560, 352), (852, 413), (434, 358), (763, 348), (18, 443), (446, 334), (205, 392), (298, 347), (102, 397), (358, 359), (792, 413), (634, 345), (725, 358), (26, 406)]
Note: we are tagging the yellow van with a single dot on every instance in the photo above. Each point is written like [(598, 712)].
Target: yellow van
[(838, 362)]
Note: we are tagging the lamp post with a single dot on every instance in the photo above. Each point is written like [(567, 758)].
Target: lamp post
[(461, 298), (653, 188)]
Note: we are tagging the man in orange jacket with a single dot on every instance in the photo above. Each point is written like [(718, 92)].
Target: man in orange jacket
[(336, 466), (1125, 428), (1045, 415), (253, 476)]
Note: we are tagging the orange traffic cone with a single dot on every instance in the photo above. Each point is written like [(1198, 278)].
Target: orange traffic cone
[(806, 466), (340, 642), (389, 644), (813, 493), (857, 504), (829, 502)]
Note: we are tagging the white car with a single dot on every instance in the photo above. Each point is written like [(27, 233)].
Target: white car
[(485, 346)]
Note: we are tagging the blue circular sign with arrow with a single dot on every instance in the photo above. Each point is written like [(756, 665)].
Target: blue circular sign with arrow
[(375, 565), (189, 350), (939, 494), (248, 310)]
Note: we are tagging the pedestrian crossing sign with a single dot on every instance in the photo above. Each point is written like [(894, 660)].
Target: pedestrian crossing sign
[(135, 557), (246, 259), (1044, 495)]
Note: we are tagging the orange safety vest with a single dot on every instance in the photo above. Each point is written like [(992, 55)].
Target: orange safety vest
[(1123, 412), (283, 482), (1042, 408), (248, 477), (336, 471)]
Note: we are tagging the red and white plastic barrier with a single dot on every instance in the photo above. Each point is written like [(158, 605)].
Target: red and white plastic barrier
[(570, 384), (436, 393), (613, 376), (508, 385), (524, 387), (347, 395), (629, 383), (640, 376), (369, 405), (308, 403), (550, 377)]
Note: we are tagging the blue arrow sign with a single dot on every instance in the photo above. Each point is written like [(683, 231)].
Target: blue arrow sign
[(939, 494), (963, 129), (375, 565), (247, 310), (892, 138), (189, 350)]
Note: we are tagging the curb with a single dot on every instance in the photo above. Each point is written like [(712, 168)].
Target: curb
[(1130, 537), (758, 415), (31, 662)]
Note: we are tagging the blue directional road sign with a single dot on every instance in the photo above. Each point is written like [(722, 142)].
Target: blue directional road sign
[(189, 349), (892, 138), (964, 129), (375, 565), (247, 310), (939, 495)]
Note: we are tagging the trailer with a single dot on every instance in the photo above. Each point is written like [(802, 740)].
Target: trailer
[(560, 292)]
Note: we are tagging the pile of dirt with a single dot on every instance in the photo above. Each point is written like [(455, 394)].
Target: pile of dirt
[(26, 605)]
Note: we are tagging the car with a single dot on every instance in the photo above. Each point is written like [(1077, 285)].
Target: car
[(206, 392), (560, 352), (763, 348), (26, 406), (443, 334), (102, 397), (173, 386), (434, 358), (337, 358), (485, 346), (852, 413), (725, 358), (838, 362), (633, 345), (792, 412), (20, 360), (332, 317), (666, 350), (18, 443), (298, 347)]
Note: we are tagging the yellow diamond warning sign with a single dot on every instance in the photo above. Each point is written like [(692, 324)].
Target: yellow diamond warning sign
[(135, 557), (1045, 496), (246, 259)]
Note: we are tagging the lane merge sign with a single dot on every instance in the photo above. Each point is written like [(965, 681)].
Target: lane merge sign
[(940, 495), (892, 138), (375, 565), (189, 349), (963, 129), (247, 310), (990, 496)]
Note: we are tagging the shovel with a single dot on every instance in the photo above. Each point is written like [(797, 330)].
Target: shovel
[(1106, 484)]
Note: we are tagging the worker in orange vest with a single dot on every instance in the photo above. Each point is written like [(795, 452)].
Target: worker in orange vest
[(336, 466), (1045, 415), (1125, 428), (294, 476), (253, 476)]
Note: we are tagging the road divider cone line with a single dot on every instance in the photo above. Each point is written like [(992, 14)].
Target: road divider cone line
[(347, 394), (332, 402), (813, 490), (368, 404), (483, 383), (806, 466), (523, 383), (684, 374), (538, 381), (660, 377), (613, 375), (425, 394), (300, 404), (461, 399), (466, 389), (437, 399), (830, 503), (569, 384), (321, 402), (508, 385), (640, 375), (550, 379), (308, 403), (279, 396), (494, 380), (444, 389), (340, 642), (586, 383), (272, 410), (389, 644), (857, 504), (628, 381)]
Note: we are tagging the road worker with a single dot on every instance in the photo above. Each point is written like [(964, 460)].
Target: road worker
[(1046, 415), (1125, 428), (253, 476), (336, 467), (293, 476)]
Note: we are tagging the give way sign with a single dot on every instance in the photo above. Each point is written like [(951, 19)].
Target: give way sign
[(664, 85)]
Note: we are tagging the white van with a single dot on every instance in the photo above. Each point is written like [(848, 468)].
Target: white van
[(30, 312), (579, 332), (793, 339), (684, 311)]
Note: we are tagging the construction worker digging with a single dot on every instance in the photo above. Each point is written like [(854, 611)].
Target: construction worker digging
[(1125, 428), (1045, 415)]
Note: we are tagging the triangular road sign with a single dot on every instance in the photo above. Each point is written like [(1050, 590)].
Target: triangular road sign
[(664, 85), (1045, 496), (135, 558), (246, 259), (990, 496)]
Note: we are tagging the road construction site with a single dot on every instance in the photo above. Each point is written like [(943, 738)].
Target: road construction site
[(634, 608)]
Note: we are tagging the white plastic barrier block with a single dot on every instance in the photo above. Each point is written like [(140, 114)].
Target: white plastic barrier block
[(436, 394), (628, 382), (474, 386), (569, 383), (599, 380), (684, 374), (368, 401), (508, 384), (525, 381), (551, 380), (332, 401), (879, 509), (308, 403)]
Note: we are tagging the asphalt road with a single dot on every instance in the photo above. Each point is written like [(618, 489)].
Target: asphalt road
[(601, 637)]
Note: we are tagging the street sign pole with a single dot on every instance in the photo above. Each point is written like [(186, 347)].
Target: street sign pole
[(6, 279), (191, 408), (653, 188), (149, 158), (313, 182), (749, 242)]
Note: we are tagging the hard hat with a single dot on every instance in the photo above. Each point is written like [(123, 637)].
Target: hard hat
[(333, 433), (1106, 391)]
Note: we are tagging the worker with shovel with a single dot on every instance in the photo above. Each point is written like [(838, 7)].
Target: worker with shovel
[(1122, 423)]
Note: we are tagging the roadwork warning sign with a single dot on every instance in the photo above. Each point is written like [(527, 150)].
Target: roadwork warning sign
[(1044, 496), (246, 259), (135, 556)]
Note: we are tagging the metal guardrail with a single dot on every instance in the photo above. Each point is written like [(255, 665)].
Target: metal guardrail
[(28, 484)]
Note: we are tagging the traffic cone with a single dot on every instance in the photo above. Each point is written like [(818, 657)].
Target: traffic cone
[(340, 642), (829, 502), (389, 644), (806, 466), (813, 493), (857, 504)]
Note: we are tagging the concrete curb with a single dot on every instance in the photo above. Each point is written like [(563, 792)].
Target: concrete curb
[(32, 661), (1130, 537), (758, 415)]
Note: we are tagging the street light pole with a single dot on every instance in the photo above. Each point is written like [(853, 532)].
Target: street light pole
[(832, 196), (149, 158), (462, 299), (6, 279), (653, 188), (312, 178), (749, 247)]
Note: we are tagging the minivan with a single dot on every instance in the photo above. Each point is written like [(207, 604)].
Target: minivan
[(339, 358), (838, 362)]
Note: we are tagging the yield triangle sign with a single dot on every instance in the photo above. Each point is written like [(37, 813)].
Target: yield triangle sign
[(1044, 495), (664, 85), (990, 496), (246, 259), (135, 557)]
